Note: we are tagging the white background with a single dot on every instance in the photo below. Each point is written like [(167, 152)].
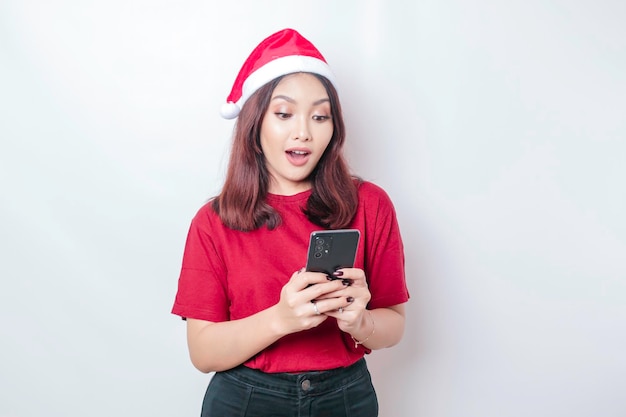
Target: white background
[(498, 129)]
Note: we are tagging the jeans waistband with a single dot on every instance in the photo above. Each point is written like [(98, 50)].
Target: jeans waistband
[(311, 383)]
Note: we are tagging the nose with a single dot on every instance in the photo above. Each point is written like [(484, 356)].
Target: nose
[(302, 131)]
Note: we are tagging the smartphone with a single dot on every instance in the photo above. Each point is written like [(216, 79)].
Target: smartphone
[(330, 250)]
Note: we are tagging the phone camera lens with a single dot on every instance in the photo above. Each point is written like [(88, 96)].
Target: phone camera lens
[(318, 255)]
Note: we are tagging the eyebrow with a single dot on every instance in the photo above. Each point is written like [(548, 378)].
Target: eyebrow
[(290, 100)]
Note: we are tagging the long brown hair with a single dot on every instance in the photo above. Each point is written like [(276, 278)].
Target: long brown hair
[(241, 205)]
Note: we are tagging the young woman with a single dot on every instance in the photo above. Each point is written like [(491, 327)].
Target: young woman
[(281, 340)]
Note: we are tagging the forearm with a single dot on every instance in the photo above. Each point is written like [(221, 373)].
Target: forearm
[(380, 328), (224, 345)]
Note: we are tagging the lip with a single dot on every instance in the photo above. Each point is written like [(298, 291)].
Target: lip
[(298, 156)]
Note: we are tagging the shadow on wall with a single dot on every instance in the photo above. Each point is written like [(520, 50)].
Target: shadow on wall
[(388, 146)]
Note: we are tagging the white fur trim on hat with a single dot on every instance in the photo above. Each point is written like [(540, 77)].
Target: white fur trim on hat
[(274, 69)]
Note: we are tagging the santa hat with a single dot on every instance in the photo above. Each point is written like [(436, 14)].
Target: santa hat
[(284, 52)]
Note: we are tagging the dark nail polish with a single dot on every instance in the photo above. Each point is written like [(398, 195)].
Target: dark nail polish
[(338, 273), (350, 299), (328, 277), (346, 282)]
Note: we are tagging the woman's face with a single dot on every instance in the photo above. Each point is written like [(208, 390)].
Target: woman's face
[(295, 131)]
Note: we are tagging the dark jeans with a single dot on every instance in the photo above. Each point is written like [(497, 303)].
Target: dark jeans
[(244, 392)]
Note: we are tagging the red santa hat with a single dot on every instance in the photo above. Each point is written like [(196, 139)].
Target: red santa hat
[(284, 52)]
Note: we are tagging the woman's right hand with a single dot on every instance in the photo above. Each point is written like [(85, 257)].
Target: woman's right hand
[(298, 309)]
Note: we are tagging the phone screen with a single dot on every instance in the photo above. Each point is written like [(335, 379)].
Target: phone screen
[(330, 250)]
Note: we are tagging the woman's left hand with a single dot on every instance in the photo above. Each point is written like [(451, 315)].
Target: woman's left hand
[(350, 302)]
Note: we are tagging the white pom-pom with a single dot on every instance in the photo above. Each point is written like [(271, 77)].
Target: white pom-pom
[(229, 110)]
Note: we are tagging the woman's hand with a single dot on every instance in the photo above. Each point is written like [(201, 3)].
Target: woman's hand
[(306, 300), (348, 304)]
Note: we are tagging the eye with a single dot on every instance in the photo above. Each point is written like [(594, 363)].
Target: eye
[(282, 115), (320, 118)]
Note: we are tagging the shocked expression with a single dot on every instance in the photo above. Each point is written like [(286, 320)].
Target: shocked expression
[(295, 132)]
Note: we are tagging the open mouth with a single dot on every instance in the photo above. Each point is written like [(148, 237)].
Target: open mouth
[(296, 154), (298, 157)]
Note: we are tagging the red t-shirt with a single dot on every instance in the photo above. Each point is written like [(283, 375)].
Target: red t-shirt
[(228, 275)]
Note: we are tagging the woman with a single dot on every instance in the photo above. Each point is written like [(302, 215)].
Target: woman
[(283, 340)]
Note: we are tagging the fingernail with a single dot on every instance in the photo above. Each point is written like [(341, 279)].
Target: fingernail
[(350, 299), (346, 282), (328, 277), (338, 273)]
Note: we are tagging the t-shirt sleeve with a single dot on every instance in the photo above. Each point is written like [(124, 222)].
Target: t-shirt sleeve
[(385, 254), (202, 286)]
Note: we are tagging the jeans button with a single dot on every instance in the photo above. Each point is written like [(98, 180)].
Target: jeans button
[(306, 385)]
